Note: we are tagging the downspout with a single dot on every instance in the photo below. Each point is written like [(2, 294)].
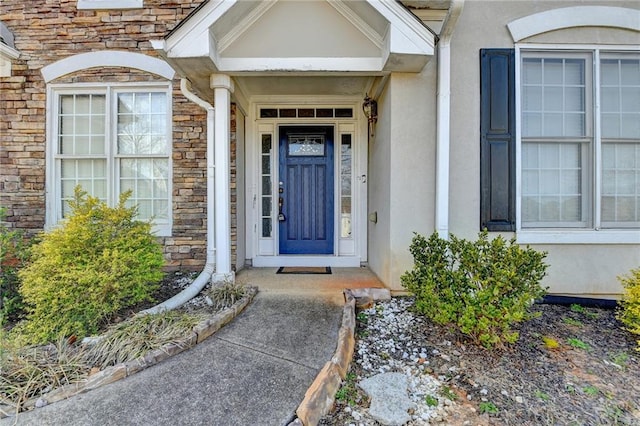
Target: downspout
[(443, 118), (205, 276)]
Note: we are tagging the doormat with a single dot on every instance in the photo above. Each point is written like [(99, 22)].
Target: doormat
[(304, 270)]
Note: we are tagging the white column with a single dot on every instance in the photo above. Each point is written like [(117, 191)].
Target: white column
[(222, 88)]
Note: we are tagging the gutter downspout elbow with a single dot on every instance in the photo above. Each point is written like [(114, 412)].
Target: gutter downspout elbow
[(207, 272)]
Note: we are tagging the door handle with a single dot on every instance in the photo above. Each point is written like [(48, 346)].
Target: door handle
[(281, 216)]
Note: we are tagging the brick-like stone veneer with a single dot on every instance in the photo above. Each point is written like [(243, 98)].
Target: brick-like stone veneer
[(47, 31)]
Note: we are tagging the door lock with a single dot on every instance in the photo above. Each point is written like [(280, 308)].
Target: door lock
[(281, 216)]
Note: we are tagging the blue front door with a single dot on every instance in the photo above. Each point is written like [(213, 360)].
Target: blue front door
[(305, 198)]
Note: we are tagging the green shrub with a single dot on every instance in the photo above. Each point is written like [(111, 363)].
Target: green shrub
[(13, 255), (482, 287), (629, 312), (99, 261)]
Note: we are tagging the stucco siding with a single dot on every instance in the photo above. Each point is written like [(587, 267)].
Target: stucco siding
[(380, 190), (402, 168), (584, 269)]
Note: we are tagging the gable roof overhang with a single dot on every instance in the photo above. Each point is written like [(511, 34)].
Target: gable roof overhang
[(250, 38)]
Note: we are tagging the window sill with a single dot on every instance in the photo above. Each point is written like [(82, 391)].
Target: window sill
[(631, 236), (163, 230)]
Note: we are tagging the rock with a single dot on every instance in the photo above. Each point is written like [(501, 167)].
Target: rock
[(519, 400), (41, 403), (389, 400), (364, 302)]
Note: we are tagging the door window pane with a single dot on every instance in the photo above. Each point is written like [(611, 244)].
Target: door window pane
[(346, 179), (305, 145), (266, 155)]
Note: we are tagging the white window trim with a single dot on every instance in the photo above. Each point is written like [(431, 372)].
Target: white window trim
[(53, 194), (565, 236), (574, 16), (107, 58), (109, 4)]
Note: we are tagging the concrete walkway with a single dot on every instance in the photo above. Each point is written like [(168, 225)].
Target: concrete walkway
[(255, 371)]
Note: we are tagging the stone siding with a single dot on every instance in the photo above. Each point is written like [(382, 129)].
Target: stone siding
[(47, 31)]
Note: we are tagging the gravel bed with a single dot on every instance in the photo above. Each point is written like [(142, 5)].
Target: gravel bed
[(592, 377)]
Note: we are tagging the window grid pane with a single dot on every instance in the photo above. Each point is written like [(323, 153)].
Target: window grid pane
[(142, 125), (88, 151), (620, 202), (552, 184), (553, 97), (89, 174), (81, 128), (620, 94), (148, 179)]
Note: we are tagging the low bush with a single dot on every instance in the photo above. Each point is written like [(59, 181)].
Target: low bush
[(14, 252), (31, 371), (139, 335), (99, 261), (482, 287), (629, 312), (225, 295)]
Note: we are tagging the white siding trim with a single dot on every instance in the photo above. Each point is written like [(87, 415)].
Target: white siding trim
[(113, 58), (578, 237), (302, 260), (109, 4), (577, 16), (7, 55), (300, 64)]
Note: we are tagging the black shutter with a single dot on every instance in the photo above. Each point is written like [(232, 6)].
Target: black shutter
[(497, 140)]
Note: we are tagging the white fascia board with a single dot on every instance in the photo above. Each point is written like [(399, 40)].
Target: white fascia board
[(190, 37), (109, 4), (577, 16), (196, 45), (404, 23), (8, 52), (299, 64), (7, 55), (398, 42)]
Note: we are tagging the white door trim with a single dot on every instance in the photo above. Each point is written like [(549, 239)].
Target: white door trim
[(350, 251)]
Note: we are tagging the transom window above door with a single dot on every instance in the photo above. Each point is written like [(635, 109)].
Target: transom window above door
[(580, 139), (306, 112), (113, 139)]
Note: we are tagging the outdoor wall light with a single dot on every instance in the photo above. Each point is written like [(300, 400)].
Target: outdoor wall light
[(370, 109)]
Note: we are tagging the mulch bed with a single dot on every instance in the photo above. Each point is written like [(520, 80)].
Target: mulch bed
[(592, 377)]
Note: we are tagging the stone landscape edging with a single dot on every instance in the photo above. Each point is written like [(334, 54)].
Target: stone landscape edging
[(320, 397), (111, 374)]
